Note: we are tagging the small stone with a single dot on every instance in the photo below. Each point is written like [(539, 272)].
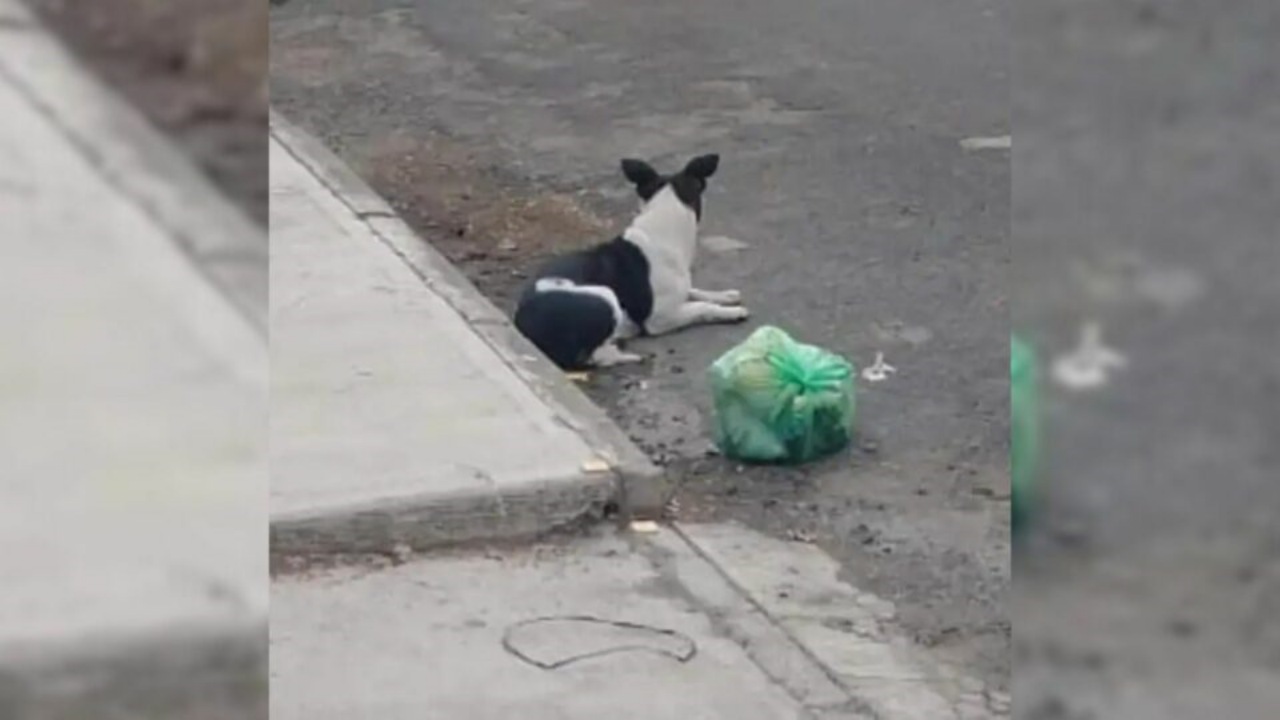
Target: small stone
[(801, 536), (401, 553), (719, 244), (1000, 142), (1181, 627), (595, 465)]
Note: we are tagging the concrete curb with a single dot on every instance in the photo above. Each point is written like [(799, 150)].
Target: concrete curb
[(851, 637), (219, 240), (738, 616), (210, 671), (437, 521), (212, 265)]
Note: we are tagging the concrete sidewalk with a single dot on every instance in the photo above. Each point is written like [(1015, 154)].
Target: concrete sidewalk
[(133, 420), (712, 621), (425, 641), (405, 410)]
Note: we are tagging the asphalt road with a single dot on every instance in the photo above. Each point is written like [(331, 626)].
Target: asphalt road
[(1145, 198), (496, 126)]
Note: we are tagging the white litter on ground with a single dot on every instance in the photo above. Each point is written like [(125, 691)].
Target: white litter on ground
[(722, 244), (879, 370), (595, 465), (1002, 142), (1090, 365)]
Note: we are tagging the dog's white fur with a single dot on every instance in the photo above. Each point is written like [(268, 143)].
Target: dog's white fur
[(666, 231)]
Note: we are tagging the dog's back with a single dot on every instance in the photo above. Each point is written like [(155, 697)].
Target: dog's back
[(617, 265)]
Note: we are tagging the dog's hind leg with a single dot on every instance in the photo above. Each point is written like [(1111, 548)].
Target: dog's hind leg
[(716, 297), (695, 312)]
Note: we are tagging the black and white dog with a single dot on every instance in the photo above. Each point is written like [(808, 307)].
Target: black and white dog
[(578, 306)]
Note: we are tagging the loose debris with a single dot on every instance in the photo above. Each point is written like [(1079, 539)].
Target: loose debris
[(1090, 365), (644, 526), (401, 553), (879, 371), (609, 636), (595, 465), (1001, 142), (720, 244), (801, 536), (671, 509)]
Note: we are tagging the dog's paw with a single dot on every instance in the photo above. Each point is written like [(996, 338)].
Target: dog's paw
[(610, 355), (736, 314), (730, 297)]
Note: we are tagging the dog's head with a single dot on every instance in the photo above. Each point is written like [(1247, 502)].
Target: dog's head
[(687, 185)]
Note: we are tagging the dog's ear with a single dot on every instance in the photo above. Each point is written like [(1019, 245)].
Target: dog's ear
[(703, 166), (639, 172)]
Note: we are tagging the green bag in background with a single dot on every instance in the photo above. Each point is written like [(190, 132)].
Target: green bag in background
[(1024, 420), (780, 401)]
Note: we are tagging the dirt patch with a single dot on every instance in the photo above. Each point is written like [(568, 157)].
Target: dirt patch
[(473, 214), (195, 68)]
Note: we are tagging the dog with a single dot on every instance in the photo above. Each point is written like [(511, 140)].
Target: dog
[(578, 306)]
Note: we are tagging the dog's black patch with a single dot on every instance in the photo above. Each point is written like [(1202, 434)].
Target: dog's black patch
[(641, 174), (688, 184), (566, 326), (618, 265)]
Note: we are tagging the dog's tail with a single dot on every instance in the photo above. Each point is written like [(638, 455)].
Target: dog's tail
[(566, 326)]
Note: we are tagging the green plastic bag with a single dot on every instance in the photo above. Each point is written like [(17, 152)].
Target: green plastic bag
[(780, 401), (1024, 419)]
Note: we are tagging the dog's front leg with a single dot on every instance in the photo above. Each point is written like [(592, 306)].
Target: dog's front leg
[(608, 355), (716, 297), (696, 312), (627, 330)]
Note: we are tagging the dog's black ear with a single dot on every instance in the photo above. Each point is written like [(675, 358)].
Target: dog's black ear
[(639, 172), (703, 166)]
